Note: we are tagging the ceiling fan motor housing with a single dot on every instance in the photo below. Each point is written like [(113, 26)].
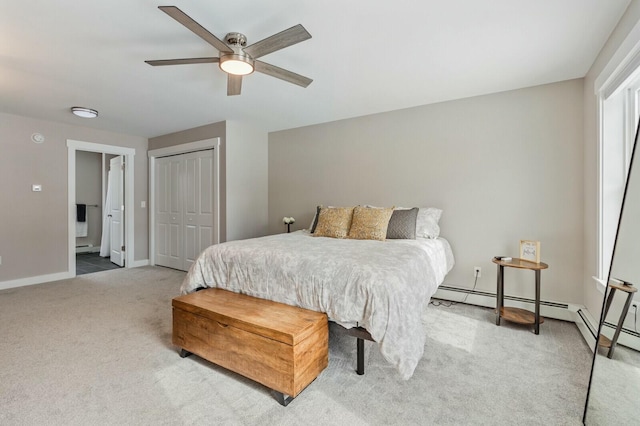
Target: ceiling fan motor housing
[(236, 40), (238, 62)]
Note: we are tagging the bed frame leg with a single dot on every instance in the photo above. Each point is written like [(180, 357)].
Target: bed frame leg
[(282, 399), (360, 346), (184, 354)]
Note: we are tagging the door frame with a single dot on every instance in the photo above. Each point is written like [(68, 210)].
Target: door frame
[(128, 154), (213, 143)]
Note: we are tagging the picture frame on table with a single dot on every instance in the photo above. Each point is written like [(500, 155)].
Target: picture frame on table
[(530, 250)]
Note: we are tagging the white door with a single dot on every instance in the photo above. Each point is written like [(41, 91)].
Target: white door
[(198, 209), (168, 213), (116, 210), (183, 208)]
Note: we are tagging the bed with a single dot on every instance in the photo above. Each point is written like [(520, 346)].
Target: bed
[(381, 286)]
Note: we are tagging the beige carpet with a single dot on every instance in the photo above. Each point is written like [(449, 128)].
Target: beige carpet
[(615, 388), (97, 349)]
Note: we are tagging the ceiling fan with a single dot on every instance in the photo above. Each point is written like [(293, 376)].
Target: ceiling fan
[(234, 58)]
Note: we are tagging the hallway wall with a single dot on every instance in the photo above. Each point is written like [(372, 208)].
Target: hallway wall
[(89, 192)]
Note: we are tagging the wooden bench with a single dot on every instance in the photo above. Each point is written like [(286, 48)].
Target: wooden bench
[(280, 346)]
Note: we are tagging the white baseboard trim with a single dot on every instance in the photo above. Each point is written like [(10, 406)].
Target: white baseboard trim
[(22, 282), (40, 279), (629, 338), (556, 310), (577, 314), (561, 311), (87, 249), (588, 327)]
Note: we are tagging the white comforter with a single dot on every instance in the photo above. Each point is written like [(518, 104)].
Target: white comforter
[(382, 286)]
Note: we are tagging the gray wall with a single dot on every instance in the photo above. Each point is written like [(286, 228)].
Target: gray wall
[(243, 174), (247, 181), (209, 131), (33, 230), (89, 191), (503, 167)]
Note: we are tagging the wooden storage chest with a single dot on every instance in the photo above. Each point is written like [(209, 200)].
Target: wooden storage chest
[(283, 347)]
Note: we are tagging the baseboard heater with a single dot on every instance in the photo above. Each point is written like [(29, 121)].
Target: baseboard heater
[(493, 296), (560, 311), (587, 323), (628, 331)]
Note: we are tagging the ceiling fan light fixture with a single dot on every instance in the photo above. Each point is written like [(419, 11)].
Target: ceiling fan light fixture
[(236, 64), (84, 112)]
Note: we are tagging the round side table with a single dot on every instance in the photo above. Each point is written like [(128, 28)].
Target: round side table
[(517, 315)]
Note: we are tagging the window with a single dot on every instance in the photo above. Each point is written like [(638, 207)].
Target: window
[(618, 123)]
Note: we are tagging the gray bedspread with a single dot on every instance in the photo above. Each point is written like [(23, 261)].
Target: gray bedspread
[(382, 286)]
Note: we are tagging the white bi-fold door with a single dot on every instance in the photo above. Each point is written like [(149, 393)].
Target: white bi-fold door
[(183, 208)]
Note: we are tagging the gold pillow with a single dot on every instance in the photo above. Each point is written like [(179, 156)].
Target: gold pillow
[(370, 223), (334, 222)]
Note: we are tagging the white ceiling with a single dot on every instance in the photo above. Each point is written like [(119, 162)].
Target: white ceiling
[(365, 57)]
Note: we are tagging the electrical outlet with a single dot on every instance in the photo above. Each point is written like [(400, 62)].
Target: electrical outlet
[(477, 272)]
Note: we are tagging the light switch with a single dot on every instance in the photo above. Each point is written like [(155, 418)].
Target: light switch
[(36, 188), (143, 204)]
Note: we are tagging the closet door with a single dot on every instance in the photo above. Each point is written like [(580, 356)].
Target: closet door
[(183, 208), (198, 209), (168, 213)]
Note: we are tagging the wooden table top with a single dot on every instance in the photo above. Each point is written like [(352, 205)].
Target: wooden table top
[(520, 263), (626, 288)]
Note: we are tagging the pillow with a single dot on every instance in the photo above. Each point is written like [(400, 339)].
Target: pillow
[(334, 222), (427, 222), (402, 224), (314, 222), (370, 223)]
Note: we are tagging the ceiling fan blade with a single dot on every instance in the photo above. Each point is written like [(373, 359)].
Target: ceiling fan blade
[(282, 74), (183, 61), (234, 84), (196, 28), (278, 41)]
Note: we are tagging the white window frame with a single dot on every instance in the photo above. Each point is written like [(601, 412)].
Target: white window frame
[(632, 114), (618, 85)]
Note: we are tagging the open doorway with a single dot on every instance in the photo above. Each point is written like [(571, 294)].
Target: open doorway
[(111, 216), (99, 223)]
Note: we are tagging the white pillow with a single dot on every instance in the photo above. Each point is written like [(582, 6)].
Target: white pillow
[(426, 222)]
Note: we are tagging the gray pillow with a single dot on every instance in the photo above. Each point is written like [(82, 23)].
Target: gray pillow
[(402, 225)]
